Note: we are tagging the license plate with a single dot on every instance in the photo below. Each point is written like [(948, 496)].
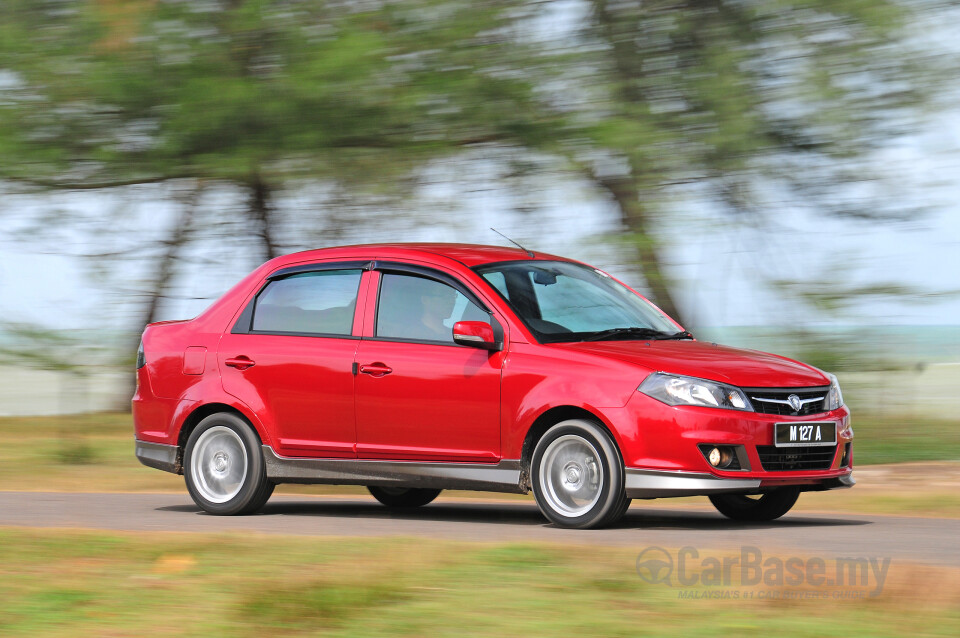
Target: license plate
[(804, 434)]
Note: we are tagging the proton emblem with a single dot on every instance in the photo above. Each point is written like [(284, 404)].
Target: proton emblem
[(794, 402)]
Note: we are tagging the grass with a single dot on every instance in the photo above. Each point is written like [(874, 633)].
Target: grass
[(66, 583), (89, 452), (925, 499), (892, 438)]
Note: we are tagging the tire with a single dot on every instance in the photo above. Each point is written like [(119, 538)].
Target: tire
[(403, 496), (577, 476), (223, 466), (619, 514), (765, 507)]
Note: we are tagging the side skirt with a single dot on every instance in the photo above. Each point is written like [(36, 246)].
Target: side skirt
[(502, 477)]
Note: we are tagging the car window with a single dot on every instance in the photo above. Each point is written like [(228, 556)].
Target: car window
[(498, 281), (422, 309), (320, 302), (592, 311)]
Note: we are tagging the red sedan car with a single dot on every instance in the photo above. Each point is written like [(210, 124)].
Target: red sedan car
[(412, 368)]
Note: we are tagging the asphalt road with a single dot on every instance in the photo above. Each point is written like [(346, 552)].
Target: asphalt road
[(652, 523)]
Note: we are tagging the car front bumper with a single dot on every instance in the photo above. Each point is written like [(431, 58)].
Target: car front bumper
[(643, 483), (664, 451)]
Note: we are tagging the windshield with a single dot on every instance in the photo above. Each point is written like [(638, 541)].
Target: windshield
[(563, 301)]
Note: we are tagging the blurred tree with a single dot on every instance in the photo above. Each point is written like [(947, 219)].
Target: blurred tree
[(97, 95), (258, 95), (743, 98), (739, 97), (104, 95)]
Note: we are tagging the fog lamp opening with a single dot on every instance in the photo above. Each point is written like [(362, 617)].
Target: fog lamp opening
[(722, 457)]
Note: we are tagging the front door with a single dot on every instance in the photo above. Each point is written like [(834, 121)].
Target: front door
[(420, 396)]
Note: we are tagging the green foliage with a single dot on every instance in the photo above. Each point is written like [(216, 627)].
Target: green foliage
[(741, 98), (114, 92), (728, 93)]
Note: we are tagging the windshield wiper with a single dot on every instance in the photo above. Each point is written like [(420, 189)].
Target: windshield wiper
[(642, 333)]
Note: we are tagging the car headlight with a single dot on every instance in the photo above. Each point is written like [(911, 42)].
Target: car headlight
[(674, 389), (834, 397)]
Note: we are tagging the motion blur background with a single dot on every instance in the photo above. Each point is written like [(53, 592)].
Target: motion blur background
[(774, 174), (777, 174)]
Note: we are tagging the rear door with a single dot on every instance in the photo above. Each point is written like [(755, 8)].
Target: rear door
[(419, 395), (290, 357)]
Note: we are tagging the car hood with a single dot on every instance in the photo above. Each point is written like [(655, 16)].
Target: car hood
[(736, 366)]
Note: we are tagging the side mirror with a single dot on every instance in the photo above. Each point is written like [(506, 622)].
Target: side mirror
[(477, 334)]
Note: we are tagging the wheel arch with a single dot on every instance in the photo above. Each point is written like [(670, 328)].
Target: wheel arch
[(197, 415), (547, 420)]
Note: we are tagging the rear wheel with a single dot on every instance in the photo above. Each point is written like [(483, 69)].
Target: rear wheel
[(577, 476), (760, 507), (403, 496), (223, 466)]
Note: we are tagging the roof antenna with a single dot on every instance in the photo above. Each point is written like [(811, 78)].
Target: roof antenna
[(529, 252)]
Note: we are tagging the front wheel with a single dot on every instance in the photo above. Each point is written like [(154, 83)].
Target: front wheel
[(577, 476), (403, 496), (761, 507), (223, 466)]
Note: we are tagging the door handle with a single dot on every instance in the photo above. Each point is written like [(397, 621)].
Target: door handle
[(375, 369), (240, 363)]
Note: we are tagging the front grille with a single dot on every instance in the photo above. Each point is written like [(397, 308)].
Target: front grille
[(785, 459), (768, 401)]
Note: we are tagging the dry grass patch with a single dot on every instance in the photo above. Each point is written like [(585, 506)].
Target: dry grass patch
[(66, 583)]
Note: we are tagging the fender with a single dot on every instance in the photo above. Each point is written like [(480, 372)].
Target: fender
[(532, 386), (213, 393)]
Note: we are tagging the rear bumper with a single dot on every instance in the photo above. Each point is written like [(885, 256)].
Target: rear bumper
[(159, 456), (641, 483)]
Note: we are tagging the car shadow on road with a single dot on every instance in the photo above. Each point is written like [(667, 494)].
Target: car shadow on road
[(637, 517)]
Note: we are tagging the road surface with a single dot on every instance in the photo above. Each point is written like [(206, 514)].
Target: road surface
[(652, 523)]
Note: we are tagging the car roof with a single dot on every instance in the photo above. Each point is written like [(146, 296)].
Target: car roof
[(467, 254)]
